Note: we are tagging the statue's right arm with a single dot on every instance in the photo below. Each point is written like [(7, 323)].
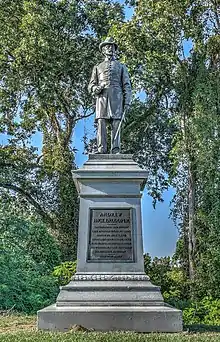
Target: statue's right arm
[(93, 81)]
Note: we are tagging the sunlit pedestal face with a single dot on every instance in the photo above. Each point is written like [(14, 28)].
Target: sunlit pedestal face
[(110, 229)]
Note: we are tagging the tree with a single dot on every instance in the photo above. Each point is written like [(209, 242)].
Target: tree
[(183, 94), (164, 272), (151, 58), (47, 52)]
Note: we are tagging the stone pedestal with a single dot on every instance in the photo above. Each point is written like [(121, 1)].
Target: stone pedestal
[(110, 290)]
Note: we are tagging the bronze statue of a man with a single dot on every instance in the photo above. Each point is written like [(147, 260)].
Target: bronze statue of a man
[(111, 84)]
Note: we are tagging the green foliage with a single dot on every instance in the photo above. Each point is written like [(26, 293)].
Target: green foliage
[(47, 52), (29, 236), (150, 46), (205, 311), (23, 287), (154, 138), (175, 288), (64, 272), (170, 277), (175, 130), (28, 255), (179, 286), (41, 247)]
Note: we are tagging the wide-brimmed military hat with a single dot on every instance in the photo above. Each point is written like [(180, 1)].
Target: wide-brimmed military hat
[(108, 41)]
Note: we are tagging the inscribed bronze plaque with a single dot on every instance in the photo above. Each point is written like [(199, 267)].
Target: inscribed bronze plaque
[(110, 237)]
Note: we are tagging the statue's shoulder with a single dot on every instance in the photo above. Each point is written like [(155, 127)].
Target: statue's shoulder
[(121, 65), (118, 63), (100, 65)]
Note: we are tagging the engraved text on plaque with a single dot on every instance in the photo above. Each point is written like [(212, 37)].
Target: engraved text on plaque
[(110, 235)]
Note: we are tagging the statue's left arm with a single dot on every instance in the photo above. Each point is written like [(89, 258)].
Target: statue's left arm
[(126, 86)]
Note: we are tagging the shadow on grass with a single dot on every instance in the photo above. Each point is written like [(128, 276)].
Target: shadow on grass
[(202, 328)]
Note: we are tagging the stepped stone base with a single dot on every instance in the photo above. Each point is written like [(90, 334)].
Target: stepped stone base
[(128, 318), (109, 304)]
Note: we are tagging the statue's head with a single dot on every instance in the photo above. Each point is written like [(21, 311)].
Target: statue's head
[(108, 47)]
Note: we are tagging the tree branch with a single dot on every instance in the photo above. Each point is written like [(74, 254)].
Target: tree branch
[(14, 166), (65, 106), (84, 116), (54, 123), (45, 216), (69, 129), (39, 158)]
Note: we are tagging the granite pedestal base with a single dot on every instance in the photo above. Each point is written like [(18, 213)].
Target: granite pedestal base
[(110, 290), (128, 318)]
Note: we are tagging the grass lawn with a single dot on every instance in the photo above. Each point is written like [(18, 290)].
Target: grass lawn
[(20, 328)]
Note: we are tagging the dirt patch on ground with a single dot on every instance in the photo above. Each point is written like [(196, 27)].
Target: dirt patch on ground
[(11, 323)]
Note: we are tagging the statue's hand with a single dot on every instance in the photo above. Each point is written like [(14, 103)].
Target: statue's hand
[(97, 90), (126, 107)]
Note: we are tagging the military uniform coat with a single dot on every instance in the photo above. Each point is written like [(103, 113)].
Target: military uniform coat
[(113, 77)]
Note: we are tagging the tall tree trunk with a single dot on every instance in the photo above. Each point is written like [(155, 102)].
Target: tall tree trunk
[(191, 233), (67, 219), (191, 227)]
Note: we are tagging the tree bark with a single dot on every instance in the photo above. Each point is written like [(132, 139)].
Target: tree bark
[(191, 227)]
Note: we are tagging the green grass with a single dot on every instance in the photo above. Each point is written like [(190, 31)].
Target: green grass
[(20, 328)]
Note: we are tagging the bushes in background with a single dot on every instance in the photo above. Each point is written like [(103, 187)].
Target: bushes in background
[(28, 255), (31, 273), (64, 272), (206, 311), (175, 288)]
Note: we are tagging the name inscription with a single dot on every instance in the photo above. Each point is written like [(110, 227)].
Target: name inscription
[(110, 235)]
